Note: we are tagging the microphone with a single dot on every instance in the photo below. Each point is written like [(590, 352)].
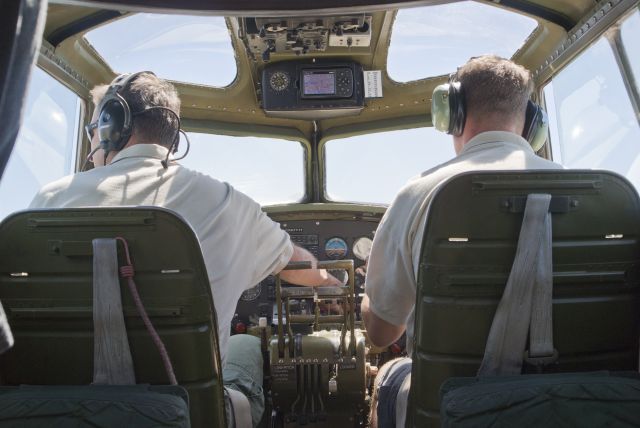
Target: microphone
[(89, 159)]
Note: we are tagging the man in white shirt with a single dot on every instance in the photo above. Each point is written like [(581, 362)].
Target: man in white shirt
[(240, 244), (486, 119)]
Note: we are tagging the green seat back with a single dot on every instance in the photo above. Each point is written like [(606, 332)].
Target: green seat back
[(467, 251), (46, 288)]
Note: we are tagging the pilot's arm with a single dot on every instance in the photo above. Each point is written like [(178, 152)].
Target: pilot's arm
[(390, 285), (381, 333), (308, 277)]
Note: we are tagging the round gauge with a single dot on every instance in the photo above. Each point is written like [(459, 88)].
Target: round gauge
[(252, 293), (336, 248), (279, 81), (362, 247)]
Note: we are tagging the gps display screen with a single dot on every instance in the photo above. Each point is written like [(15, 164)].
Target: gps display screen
[(318, 83)]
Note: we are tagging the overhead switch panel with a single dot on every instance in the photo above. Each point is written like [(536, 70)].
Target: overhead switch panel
[(304, 35)]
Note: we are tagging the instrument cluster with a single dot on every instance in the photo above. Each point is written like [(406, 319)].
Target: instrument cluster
[(325, 239)]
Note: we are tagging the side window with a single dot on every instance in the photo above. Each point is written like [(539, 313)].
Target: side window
[(593, 122), (45, 146)]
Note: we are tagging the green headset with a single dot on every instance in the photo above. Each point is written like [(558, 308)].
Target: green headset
[(448, 115)]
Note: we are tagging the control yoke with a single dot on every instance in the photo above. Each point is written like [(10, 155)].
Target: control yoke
[(346, 295)]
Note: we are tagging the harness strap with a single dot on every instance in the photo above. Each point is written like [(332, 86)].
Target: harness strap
[(112, 362), (6, 337), (526, 301)]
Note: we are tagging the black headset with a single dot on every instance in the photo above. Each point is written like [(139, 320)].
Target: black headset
[(115, 120), (448, 114)]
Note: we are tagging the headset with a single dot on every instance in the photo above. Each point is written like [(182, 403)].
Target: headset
[(448, 114), (115, 120)]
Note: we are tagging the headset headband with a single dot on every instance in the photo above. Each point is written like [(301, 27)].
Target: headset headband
[(115, 116)]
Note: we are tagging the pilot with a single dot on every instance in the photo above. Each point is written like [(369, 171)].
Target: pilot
[(240, 244), (494, 95)]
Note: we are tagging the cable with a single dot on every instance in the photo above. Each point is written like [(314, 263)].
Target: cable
[(176, 140), (127, 271), (165, 162)]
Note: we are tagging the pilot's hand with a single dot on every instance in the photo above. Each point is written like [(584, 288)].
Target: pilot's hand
[(332, 281), (362, 270), (331, 307)]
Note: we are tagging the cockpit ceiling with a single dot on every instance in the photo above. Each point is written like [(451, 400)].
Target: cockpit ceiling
[(571, 11), (424, 42), (352, 32)]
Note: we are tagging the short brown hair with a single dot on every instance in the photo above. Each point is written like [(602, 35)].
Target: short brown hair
[(495, 86), (147, 90)]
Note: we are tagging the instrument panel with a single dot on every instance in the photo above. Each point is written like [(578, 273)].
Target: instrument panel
[(330, 239)]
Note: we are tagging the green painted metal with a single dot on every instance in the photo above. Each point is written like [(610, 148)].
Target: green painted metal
[(46, 287), (320, 377), (140, 406), (469, 245)]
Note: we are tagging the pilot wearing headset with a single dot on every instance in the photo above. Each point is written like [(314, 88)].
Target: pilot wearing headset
[(495, 126), (134, 130)]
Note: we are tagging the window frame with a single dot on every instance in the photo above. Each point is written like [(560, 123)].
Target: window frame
[(612, 34)]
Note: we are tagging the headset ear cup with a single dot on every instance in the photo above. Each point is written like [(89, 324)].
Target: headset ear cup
[(536, 126), (457, 109), (114, 124), (440, 109), (447, 108)]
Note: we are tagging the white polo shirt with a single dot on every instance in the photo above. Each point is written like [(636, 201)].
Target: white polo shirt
[(240, 244), (392, 272)]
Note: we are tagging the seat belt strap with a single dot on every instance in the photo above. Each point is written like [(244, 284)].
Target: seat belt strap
[(6, 337), (112, 362), (507, 337), (541, 328), (240, 409)]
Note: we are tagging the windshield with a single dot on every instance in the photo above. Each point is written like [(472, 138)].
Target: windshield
[(373, 167), (194, 49), (270, 171), (435, 40)]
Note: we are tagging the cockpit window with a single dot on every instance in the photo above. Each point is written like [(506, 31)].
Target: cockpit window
[(193, 49), (269, 170), (373, 167), (44, 150), (435, 40)]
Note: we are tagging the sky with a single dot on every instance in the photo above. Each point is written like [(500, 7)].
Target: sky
[(425, 42)]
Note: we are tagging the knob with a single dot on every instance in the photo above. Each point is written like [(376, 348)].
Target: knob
[(240, 328)]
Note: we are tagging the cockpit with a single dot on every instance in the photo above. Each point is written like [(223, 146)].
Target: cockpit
[(321, 114)]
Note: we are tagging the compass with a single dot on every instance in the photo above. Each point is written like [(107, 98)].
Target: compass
[(279, 81)]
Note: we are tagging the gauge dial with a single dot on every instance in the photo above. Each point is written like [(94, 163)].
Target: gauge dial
[(336, 248), (279, 81), (252, 293), (362, 247)]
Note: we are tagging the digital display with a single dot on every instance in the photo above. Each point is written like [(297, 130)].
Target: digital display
[(318, 83)]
